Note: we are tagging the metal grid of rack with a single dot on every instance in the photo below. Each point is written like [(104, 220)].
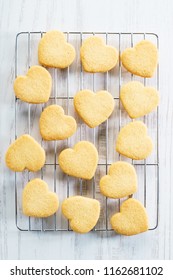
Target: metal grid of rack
[(65, 84)]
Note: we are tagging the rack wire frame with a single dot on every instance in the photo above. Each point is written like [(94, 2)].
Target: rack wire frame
[(68, 98)]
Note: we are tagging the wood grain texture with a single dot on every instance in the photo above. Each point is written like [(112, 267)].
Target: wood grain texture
[(121, 15)]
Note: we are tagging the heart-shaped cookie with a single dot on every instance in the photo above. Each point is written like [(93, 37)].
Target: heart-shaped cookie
[(132, 218), (82, 212), (121, 180), (35, 87), (25, 153), (38, 201), (54, 125), (138, 100), (54, 51), (94, 108), (96, 56), (133, 141), (81, 161), (141, 60)]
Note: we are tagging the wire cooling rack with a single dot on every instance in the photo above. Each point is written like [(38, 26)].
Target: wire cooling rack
[(65, 84)]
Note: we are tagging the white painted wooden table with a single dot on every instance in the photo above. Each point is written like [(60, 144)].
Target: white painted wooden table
[(116, 16)]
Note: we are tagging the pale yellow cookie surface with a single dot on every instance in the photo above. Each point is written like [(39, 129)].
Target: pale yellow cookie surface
[(54, 51), (138, 100), (55, 125), (25, 153), (133, 141), (94, 108), (96, 56), (81, 161), (121, 180), (82, 212), (142, 59), (35, 87), (38, 201), (132, 218)]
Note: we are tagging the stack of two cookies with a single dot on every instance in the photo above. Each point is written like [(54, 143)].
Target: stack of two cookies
[(96, 57)]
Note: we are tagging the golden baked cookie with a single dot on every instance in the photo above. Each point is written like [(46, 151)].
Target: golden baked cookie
[(82, 212), (138, 100), (38, 201), (94, 108), (132, 218), (133, 141), (96, 56), (54, 51), (81, 161), (142, 59), (35, 87), (121, 180), (25, 153), (55, 125)]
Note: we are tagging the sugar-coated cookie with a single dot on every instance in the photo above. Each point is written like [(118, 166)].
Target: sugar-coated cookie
[(142, 59), (133, 141), (121, 180), (138, 100), (54, 51), (25, 153), (132, 219), (38, 201), (55, 125), (94, 108), (82, 212), (35, 87), (96, 56), (81, 161)]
